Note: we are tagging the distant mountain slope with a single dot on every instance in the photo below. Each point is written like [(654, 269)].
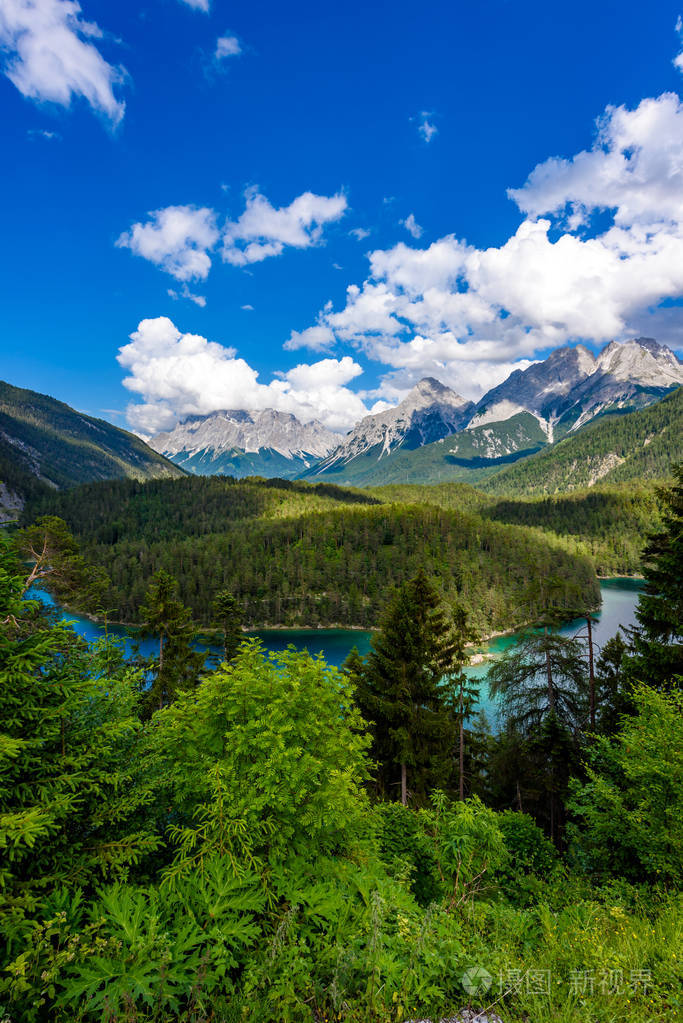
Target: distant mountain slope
[(607, 522), (470, 455), (572, 386), (612, 449), (237, 443), (429, 412), (46, 444), (434, 435)]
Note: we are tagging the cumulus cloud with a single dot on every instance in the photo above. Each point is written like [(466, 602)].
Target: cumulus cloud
[(264, 230), (177, 239), (411, 225), (50, 55), (359, 233), (635, 169), (181, 239), (426, 128), (678, 59), (198, 5), (318, 339), (227, 46), (177, 375), (469, 316)]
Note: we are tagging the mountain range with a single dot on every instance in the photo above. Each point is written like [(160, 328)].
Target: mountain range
[(236, 443), (434, 433), (530, 410), (567, 421)]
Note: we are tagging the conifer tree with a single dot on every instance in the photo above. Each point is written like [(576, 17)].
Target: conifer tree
[(400, 691), (228, 616), (165, 616), (658, 642), (56, 562), (461, 694), (542, 685)]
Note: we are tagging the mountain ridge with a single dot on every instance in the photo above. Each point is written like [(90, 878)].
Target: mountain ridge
[(242, 443), (45, 444)]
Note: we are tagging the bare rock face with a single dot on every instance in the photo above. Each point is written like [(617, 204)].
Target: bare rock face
[(247, 431), (246, 443), (428, 413), (572, 386)]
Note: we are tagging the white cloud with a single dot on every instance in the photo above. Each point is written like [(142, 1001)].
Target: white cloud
[(178, 375), (678, 60), (411, 225), (425, 127), (181, 239), (635, 168), (469, 316), (186, 293), (198, 5), (227, 46), (177, 239), (359, 233), (263, 230), (50, 56), (247, 308), (318, 339)]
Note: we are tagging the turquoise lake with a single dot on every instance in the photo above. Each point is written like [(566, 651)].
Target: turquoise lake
[(619, 600)]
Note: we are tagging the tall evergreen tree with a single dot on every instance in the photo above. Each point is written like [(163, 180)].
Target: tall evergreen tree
[(658, 641), (614, 695), (400, 692), (228, 615), (166, 617), (461, 694), (542, 686)]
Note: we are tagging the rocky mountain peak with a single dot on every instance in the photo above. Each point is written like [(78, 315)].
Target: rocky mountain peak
[(237, 429), (429, 412)]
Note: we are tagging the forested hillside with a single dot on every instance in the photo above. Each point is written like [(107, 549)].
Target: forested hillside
[(293, 554), (635, 446), (605, 522), (45, 443)]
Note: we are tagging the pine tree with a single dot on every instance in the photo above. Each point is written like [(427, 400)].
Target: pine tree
[(400, 691), (69, 798), (658, 642), (461, 695), (165, 616), (542, 686), (56, 562), (228, 615)]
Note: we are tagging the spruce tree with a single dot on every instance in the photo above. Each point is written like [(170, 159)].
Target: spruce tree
[(227, 614), (165, 616), (461, 694), (400, 692), (658, 641)]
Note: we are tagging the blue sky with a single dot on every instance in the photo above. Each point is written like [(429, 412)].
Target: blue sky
[(247, 165)]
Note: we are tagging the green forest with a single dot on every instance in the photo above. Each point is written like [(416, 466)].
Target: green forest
[(274, 839), (605, 522), (293, 554), (613, 449), (45, 444)]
